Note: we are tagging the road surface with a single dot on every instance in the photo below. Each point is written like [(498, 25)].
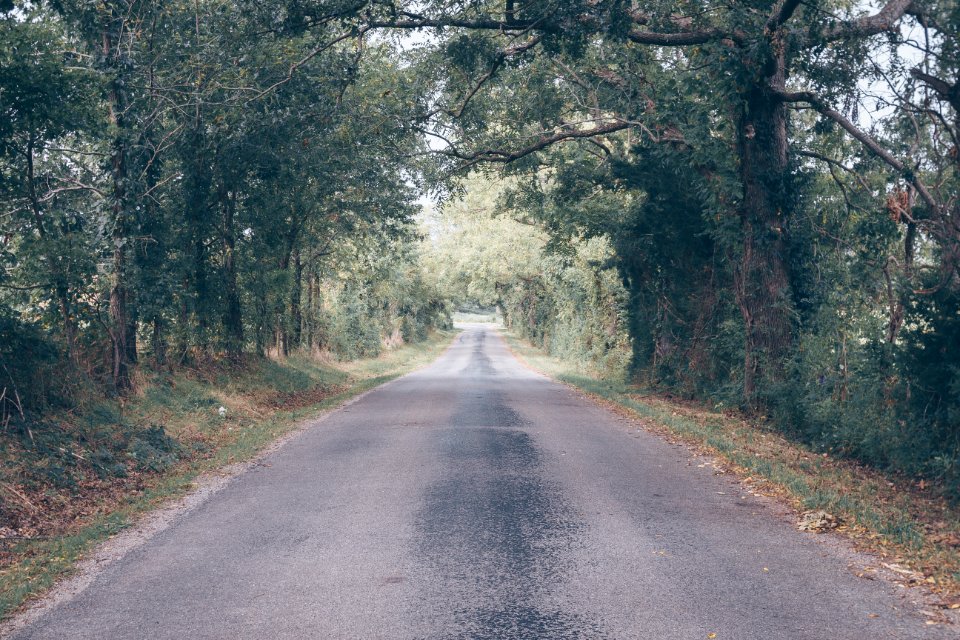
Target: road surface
[(475, 499)]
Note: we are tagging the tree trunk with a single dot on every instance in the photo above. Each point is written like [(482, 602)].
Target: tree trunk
[(183, 332), (133, 322), (233, 313), (197, 185), (159, 342), (118, 319), (296, 313), (69, 328), (123, 340), (200, 288), (260, 334), (308, 325), (763, 286), (283, 335)]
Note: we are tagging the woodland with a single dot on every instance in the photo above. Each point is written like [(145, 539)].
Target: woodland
[(749, 204)]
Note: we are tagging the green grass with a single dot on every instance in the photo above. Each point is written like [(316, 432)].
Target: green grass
[(882, 513), (264, 401)]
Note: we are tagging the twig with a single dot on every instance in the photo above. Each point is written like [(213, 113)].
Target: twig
[(23, 499)]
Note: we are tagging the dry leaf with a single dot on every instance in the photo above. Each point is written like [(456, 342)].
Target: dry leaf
[(817, 521)]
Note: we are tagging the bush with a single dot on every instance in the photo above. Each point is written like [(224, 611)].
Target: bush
[(30, 367)]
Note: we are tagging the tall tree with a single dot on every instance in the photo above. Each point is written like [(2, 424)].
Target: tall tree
[(753, 54)]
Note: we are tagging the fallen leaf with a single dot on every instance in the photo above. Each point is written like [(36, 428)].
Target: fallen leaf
[(817, 521)]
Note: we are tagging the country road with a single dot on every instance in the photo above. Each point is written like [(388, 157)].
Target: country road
[(476, 499)]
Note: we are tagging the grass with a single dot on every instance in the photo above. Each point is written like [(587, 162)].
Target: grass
[(263, 401), (892, 516)]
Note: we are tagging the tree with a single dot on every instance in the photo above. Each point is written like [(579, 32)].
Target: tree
[(44, 103), (752, 53)]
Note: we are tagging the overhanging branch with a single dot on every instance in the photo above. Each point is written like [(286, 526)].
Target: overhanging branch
[(865, 139), (682, 38), (947, 91), (781, 13), (507, 156), (870, 25)]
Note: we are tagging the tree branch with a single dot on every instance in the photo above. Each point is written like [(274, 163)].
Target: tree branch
[(940, 86), (950, 93), (307, 58), (682, 38), (494, 67), (781, 13), (870, 25), (835, 163), (422, 22), (865, 139), (506, 157)]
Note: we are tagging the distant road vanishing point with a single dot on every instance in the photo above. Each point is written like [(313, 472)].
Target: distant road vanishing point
[(475, 499)]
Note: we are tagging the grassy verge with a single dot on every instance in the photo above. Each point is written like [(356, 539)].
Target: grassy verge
[(916, 532), (262, 400)]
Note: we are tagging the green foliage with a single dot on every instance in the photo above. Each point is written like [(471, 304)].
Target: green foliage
[(686, 197), (153, 450), (172, 192), (28, 366), (355, 332), (778, 252), (572, 303)]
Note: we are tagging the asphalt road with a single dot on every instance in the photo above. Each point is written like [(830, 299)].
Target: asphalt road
[(475, 499)]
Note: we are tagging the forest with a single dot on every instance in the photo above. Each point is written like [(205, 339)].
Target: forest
[(751, 204)]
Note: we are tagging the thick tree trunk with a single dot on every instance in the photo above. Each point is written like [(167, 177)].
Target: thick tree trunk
[(197, 185), (283, 333), (763, 286), (133, 323), (119, 324), (69, 328), (200, 288), (260, 334), (283, 338)]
